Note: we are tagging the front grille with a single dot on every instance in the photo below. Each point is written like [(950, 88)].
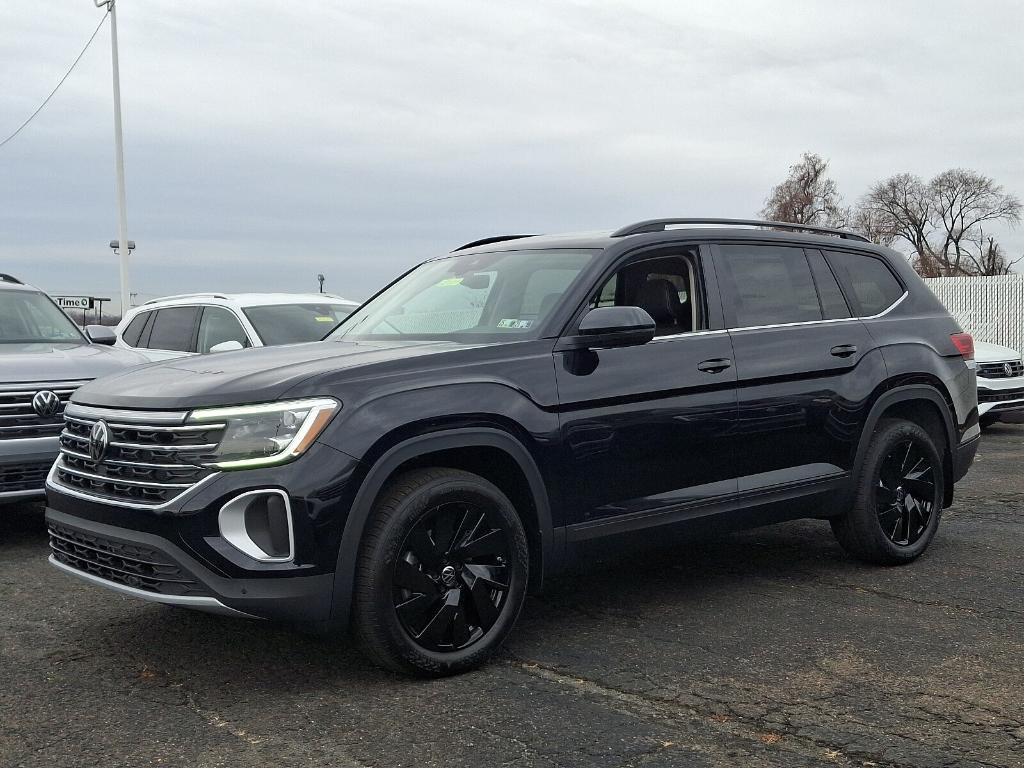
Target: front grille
[(132, 565), (18, 418), (150, 460), (990, 396), (25, 477), (1008, 370)]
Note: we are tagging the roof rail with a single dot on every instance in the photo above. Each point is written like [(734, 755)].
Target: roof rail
[(186, 296), (660, 225), (489, 240), (5, 278)]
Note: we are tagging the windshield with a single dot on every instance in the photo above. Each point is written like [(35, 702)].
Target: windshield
[(473, 297), (28, 317), (295, 323)]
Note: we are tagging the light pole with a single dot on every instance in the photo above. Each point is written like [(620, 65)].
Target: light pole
[(122, 206), (321, 279)]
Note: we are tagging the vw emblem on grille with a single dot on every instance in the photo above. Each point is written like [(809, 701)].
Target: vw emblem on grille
[(45, 403), (1007, 369), (99, 439)]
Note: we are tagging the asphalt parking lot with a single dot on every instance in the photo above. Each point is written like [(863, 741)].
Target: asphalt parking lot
[(764, 648)]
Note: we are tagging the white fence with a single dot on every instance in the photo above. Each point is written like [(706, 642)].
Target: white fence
[(990, 308)]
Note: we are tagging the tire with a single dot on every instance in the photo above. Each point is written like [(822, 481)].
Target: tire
[(897, 504), (441, 575)]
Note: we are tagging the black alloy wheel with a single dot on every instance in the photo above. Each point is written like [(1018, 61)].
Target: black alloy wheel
[(442, 573), (451, 577), (905, 495), (898, 495)]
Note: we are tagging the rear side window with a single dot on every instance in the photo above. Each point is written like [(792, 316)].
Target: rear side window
[(833, 305), (173, 328), (870, 285), (134, 330), (767, 285)]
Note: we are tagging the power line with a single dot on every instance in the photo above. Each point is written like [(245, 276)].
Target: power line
[(66, 74)]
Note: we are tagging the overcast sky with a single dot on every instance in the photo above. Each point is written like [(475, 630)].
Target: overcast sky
[(266, 142)]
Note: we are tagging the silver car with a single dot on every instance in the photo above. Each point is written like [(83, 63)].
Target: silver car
[(44, 357)]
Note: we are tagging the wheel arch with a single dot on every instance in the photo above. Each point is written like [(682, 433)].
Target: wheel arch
[(925, 405), (473, 449)]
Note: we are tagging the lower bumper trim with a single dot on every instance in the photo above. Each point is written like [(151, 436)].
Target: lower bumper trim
[(200, 603)]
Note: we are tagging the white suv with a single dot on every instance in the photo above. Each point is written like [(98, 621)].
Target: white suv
[(1000, 381), (197, 323)]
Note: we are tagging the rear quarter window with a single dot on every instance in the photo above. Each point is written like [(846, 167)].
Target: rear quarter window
[(134, 330), (869, 283)]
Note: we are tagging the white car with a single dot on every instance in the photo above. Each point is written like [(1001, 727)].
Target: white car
[(197, 323), (1000, 381)]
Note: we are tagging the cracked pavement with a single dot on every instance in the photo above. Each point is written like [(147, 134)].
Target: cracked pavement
[(762, 648)]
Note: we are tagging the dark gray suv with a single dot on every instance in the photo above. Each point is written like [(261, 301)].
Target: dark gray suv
[(44, 358)]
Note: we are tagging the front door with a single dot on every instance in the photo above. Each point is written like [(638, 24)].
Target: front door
[(647, 430)]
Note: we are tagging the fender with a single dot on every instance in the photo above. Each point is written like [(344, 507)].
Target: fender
[(901, 395), (382, 469)]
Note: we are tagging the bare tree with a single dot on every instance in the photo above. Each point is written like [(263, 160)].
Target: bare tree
[(941, 220), (807, 196)]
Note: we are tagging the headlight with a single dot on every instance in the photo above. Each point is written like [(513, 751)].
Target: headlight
[(261, 435)]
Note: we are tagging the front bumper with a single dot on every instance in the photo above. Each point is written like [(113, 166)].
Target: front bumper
[(997, 396), (24, 463), (177, 555)]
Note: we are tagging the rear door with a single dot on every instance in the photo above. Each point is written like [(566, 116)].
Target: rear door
[(647, 430), (805, 369)]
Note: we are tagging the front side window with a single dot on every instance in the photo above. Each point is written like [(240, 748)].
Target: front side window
[(471, 297), (295, 323), (664, 286), (869, 283), (217, 326), (173, 328), (767, 285), (30, 317)]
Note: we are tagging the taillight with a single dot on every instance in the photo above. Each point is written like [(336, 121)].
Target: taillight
[(964, 344)]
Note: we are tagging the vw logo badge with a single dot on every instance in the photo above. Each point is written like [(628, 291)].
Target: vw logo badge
[(99, 439), (45, 403), (1007, 369)]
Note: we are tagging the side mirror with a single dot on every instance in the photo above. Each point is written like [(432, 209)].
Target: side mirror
[(227, 346), (100, 334), (607, 327)]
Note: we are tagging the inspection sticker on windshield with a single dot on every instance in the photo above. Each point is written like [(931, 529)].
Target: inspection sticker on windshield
[(451, 281), (324, 319), (513, 323)]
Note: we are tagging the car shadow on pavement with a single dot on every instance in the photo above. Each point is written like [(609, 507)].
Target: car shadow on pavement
[(170, 644)]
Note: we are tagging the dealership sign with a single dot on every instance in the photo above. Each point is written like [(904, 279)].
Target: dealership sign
[(74, 302)]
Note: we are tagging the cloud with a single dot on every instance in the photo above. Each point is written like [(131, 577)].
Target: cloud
[(266, 142)]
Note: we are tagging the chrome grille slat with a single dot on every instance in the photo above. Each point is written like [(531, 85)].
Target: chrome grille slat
[(17, 417), (145, 465), (998, 370)]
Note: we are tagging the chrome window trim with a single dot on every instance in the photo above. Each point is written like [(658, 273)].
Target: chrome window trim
[(689, 334)]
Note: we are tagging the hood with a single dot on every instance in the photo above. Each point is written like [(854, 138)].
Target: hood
[(62, 362), (254, 375), (993, 353)]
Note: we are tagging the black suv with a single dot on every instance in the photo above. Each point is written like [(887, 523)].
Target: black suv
[(494, 412)]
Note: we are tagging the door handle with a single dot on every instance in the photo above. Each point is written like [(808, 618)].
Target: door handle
[(844, 350), (715, 366)]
